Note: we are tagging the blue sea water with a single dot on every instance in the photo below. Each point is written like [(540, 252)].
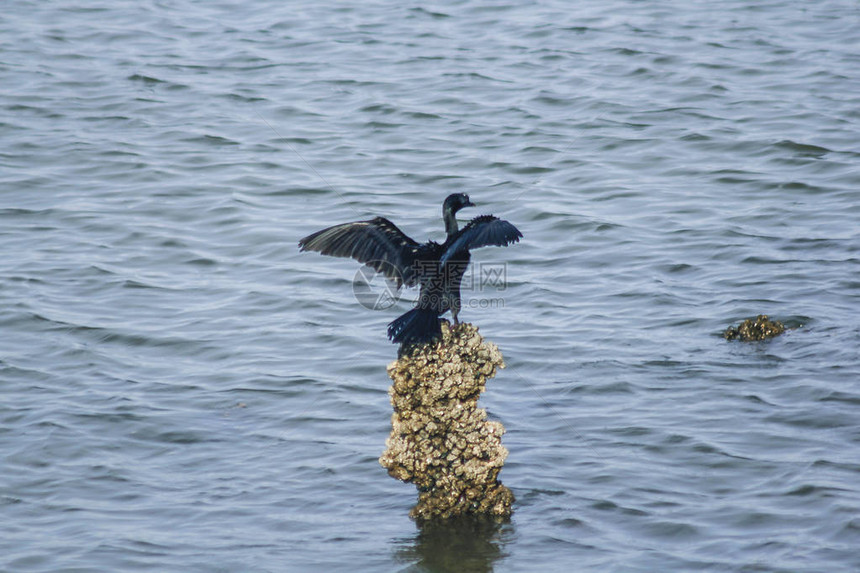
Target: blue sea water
[(182, 390)]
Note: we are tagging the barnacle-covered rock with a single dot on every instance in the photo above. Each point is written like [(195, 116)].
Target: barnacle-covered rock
[(758, 328), (440, 440)]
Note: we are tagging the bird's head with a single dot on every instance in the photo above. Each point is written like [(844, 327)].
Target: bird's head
[(455, 202)]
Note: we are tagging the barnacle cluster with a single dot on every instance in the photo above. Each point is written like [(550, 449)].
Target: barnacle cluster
[(758, 328), (440, 440)]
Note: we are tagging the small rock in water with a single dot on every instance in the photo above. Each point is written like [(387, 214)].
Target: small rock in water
[(758, 328)]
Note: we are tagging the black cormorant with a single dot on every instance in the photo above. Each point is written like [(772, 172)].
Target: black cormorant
[(437, 268)]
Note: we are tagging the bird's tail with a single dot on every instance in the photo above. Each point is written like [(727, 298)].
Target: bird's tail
[(417, 325)]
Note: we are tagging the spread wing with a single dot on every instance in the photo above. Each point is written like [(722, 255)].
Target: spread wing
[(378, 243), (483, 231)]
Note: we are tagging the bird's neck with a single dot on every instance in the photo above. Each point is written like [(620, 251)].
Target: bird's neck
[(450, 222)]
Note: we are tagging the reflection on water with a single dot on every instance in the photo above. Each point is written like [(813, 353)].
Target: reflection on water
[(469, 544)]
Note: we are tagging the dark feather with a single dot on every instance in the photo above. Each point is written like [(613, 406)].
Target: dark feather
[(378, 243), (483, 231)]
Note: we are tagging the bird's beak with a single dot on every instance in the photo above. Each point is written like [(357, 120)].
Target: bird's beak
[(469, 204)]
